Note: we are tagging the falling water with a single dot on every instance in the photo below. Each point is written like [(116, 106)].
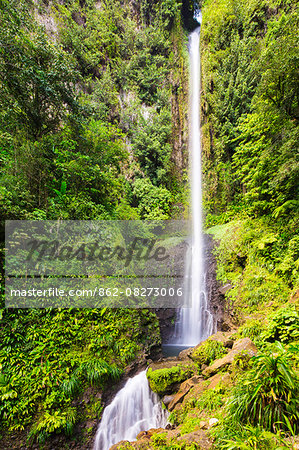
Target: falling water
[(134, 408), (195, 322)]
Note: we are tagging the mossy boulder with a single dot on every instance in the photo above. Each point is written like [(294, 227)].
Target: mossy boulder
[(207, 352), (241, 347), (166, 380)]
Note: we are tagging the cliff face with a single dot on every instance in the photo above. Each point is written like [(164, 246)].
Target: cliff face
[(137, 78)]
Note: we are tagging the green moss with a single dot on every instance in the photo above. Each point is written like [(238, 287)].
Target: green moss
[(162, 380), (208, 352)]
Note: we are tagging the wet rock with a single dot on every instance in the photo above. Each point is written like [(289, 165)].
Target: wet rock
[(216, 300), (185, 354), (241, 346), (167, 318), (167, 399), (170, 426)]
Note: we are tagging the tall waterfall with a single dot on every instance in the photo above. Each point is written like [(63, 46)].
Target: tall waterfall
[(195, 322), (134, 408)]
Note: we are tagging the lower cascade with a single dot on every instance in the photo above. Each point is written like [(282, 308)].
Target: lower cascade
[(134, 408)]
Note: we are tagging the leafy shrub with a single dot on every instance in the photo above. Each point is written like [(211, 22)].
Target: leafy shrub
[(153, 201), (71, 386), (210, 400), (252, 329), (259, 286), (283, 325), (241, 361), (268, 395), (98, 372), (53, 422), (246, 438)]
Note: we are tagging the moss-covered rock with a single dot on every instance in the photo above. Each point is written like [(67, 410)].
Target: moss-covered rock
[(165, 380), (241, 347), (207, 352)]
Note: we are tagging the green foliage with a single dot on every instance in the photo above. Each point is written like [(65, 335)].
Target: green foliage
[(37, 78), (268, 394), (85, 114), (283, 325), (247, 438), (253, 329), (48, 358), (210, 400), (207, 352), (250, 104), (154, 202), (53, 422), (64, 101), (151, 143), (250, 256), (98, 372)]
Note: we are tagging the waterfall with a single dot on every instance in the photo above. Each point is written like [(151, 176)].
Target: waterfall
[(195, 322), (134, 408)]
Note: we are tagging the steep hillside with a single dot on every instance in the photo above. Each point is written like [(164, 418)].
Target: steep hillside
[(93, 126)]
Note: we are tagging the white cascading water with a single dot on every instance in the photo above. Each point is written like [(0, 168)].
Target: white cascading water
[(134, 408), (195, 322)]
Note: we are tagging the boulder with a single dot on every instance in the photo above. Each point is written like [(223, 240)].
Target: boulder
[(241, 346), (224, 337), (165, 377), (198, 437), (220, 336), (185, 354), (184, 389), (149, 433), (245, 344), (167, 399), (121, 444), (213, 422), (220, 378)]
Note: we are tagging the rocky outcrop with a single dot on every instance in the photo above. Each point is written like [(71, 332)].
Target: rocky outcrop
[(216, 297), (242, 346), (184, 389)]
